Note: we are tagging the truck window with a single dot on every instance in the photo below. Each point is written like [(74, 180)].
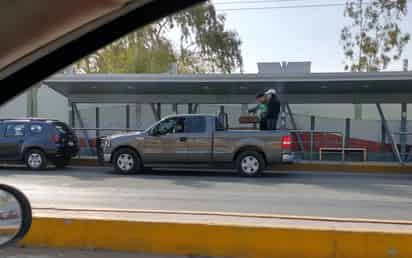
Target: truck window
[(169, 126), (195, 125)]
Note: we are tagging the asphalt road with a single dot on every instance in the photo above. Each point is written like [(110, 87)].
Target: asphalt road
[(377, 196)]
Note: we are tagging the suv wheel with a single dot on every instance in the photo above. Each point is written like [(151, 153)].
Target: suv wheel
[(250, 163), (126, 161), (35, 159)]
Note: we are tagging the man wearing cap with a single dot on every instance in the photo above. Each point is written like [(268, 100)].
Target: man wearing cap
[(261, 110), (273, 109)]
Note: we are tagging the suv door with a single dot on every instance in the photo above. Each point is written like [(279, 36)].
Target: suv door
[(164, 144), (12, 140)]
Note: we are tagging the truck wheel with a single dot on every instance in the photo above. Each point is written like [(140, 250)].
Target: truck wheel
[(250, 163), (35, 159), (126, 161)]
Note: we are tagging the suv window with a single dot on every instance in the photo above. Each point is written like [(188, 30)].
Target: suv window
[(195, 125), (35, 128), (15, 130)]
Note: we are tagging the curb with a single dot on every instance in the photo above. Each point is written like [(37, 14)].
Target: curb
[(347, 167), (322, 167), (240, 241)]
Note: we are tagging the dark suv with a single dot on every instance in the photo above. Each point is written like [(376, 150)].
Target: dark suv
[(36, 142)]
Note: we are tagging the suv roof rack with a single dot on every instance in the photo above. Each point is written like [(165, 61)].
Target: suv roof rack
[(28, 119)]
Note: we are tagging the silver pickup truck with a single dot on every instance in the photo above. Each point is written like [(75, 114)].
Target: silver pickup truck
[(196, 141)]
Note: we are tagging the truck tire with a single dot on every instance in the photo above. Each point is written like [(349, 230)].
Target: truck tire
[(250, 163), (126, 161), (35, 159)]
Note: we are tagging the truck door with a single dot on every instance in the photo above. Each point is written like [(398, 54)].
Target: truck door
[(198, 139), (11, 140), (164, 144)]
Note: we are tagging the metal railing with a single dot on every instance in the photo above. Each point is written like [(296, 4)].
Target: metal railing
[(315, 141)]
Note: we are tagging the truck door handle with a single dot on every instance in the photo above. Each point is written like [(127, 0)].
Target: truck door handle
[(183, 139)]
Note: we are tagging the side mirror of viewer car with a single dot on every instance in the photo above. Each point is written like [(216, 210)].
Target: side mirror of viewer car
[(15, 215)]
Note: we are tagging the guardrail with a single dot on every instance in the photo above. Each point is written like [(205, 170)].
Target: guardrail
[(311, 141)]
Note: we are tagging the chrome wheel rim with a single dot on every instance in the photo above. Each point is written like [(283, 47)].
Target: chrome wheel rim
[(35, 160), (125, 162), (250, 165)]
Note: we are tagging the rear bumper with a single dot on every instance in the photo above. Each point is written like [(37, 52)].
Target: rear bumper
[(287, 157)]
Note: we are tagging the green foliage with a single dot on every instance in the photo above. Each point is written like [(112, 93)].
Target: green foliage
[(203, 45), (373, 38)]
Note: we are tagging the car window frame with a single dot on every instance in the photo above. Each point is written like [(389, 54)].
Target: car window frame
[(36, 133), (197, 117), (6, 126)]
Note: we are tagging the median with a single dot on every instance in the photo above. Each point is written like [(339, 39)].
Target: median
[(219, 234)]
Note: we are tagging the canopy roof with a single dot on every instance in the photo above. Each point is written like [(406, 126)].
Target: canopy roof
[(382, 87)]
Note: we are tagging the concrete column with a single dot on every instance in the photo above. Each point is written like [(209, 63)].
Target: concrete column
[(97, 121), (72, 116), (243, 109), (138, 115), (32, 101), (347, 132), (357, 109), (404, 121), (128, 116), (311, 143)]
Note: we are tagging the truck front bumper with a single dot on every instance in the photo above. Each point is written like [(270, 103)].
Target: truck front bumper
[(107, 157)]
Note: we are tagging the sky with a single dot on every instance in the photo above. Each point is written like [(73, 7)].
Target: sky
[(295, 34)]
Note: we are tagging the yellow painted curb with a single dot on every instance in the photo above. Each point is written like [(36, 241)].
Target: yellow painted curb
[(348, 167), (215, 240)]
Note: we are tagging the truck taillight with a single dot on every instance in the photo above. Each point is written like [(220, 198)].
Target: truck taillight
[(286, 142), (56, 138)]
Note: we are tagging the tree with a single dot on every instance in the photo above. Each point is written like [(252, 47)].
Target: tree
[(203, 45), (373, 38)]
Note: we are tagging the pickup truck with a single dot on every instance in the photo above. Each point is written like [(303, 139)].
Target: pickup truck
[(194, 140)]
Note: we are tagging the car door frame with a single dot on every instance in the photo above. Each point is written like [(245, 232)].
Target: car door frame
[(15, 151)]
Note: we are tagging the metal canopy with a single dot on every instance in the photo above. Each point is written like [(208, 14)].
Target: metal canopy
[(382, 87)]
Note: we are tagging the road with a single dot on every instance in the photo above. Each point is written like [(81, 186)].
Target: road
[(346, 195)]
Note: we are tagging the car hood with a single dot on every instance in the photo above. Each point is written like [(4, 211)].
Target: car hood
[(121, 135)]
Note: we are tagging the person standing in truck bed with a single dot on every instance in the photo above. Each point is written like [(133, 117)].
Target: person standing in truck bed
[(261, 110), (273, 109)]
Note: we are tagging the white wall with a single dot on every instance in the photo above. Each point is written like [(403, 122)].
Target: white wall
[(16, 107)]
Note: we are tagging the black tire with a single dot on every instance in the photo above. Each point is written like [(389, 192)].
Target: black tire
[(250, 163), (35, 159), (62, 162), (130, 163)]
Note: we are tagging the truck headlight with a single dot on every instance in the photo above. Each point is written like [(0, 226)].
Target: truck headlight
[(107, 143)]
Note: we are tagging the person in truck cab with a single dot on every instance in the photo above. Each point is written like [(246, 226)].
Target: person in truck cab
[(261, 110)]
